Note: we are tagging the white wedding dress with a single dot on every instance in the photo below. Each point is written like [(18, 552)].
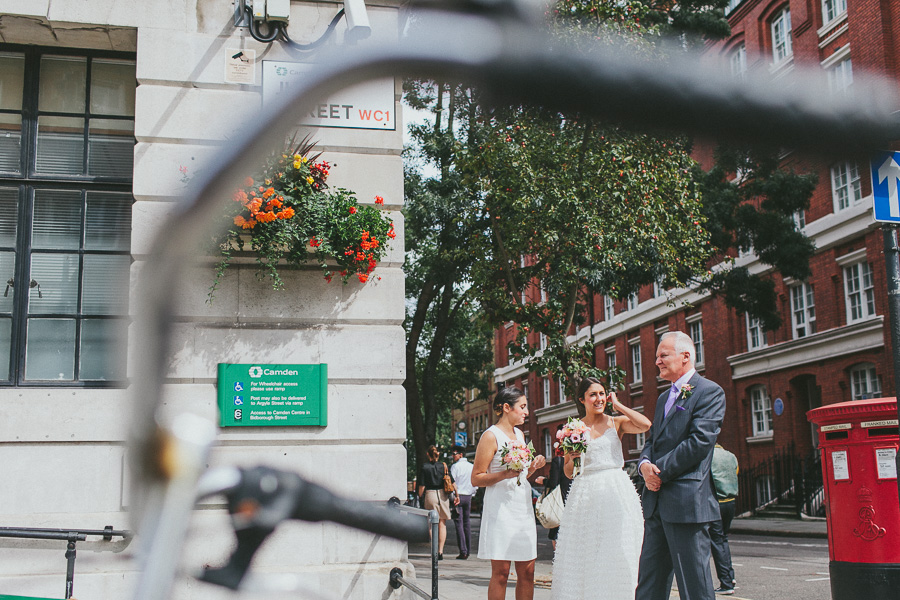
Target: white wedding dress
[(601, 530)]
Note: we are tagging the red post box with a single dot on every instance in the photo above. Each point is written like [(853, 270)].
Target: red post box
[(858, 444)]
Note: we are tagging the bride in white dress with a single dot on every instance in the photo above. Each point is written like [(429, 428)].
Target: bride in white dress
[(602, 527)]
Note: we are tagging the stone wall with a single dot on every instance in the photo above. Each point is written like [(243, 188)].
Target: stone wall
[(64, 448)]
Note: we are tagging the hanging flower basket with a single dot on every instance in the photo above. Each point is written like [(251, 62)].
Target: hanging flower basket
[(287, 214)]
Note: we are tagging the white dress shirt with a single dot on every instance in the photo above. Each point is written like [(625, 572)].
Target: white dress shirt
[(461, 471)]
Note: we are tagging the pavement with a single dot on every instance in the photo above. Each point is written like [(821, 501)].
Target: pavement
[(468, 579)]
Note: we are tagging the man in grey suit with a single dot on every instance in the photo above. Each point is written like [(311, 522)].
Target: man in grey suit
[(678, 500)]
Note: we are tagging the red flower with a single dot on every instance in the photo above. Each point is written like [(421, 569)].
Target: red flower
[(363, 277), (379, 200), (352, 210)]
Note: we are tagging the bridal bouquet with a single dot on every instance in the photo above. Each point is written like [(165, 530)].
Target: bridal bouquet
[(573, 437), (516, 456)]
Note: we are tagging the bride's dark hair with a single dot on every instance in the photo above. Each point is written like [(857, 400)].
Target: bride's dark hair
[(508, 395), (583, 386)]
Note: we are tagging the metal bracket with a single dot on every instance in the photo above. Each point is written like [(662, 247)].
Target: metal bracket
[(241, 18)]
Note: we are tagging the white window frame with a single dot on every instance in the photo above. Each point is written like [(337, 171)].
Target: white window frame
[(548, 443), (525, 393), (782, 45), (859, 291), (696, 329), (760, 411), (639, 440), (799, 218), (546, 389), (756, 336), (846, 189), (610, 358), (737, 60), (635, 348), (840, 76), (833, 10), (542, 341), (609, 308), (562, 389), (803, 310), (632, 301), (864, 382)]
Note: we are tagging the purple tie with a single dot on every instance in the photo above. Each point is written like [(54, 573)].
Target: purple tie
[(670, 402)]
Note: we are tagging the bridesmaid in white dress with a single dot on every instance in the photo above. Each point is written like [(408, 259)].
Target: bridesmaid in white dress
[(508, 532), (602, 521)]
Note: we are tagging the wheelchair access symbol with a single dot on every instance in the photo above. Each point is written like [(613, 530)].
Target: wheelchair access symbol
[(238, 386), (238, 400)]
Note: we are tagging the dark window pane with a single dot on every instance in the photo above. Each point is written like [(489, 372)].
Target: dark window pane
[(63, 84), (60, 146), (112, 87), (57, 276), (9, 203), (111, 148), (12, 77), (57, 220), (10, 143), (103, 349), (105, 290), (50, 350), (5, 345), (108, 223)]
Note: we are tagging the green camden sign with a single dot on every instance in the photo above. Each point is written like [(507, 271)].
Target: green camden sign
[(259, 395)]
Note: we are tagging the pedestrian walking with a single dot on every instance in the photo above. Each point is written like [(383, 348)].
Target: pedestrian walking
[(725, 480), (431, 485), (461, 471)]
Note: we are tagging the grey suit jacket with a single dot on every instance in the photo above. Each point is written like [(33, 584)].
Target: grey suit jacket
[(681, 445)]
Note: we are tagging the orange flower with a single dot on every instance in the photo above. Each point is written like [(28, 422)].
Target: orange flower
[(363, 277), (360, 256), (286, 213), (269, 193), (239, 221), (249, 224), (248, 182)]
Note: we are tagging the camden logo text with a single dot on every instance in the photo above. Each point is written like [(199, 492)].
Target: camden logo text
[(257, 372)]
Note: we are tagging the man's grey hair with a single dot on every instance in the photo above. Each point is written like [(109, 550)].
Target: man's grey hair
[(683, 343)]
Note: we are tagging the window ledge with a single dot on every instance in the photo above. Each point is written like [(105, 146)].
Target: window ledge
[(783, 67), (830, 26), (761, 439)]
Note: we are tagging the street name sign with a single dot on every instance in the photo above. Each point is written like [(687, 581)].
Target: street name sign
[(368, 105), (885, 179), (261, 395)]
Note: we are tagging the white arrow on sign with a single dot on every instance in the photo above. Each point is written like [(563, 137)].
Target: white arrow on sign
[(890, 170)]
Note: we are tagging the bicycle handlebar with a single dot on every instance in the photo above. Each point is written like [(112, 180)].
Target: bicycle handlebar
[(260, 498)]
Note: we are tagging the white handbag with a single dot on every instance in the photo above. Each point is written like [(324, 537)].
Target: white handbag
[(549, 508)]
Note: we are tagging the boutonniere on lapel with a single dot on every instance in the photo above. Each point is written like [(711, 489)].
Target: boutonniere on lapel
[(686, 391)]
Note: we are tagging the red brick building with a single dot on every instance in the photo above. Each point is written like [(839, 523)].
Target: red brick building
[(834, 344)]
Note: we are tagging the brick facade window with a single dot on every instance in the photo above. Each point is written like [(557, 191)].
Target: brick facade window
[(524, 393), (545, 383), (860, 291), (548, 444), (761, 407), (609, 309), (756, 337), (562, 391), (799, 218), (845, 185), (737, 60), (610, 358), (832, 9), (803, 310), (697, 336), (840, 76), (632, 301), (864, 383), (636, 361), (639, 440), (782, 49)]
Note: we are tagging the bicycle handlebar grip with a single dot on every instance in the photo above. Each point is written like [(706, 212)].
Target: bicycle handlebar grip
[(315, 503)]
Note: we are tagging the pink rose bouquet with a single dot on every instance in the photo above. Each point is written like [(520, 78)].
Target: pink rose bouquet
[(516, 456), (573, 437)]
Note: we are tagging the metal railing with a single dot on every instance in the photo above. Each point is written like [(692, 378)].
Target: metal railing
[(71, 537), (783, 479), (396, 576)]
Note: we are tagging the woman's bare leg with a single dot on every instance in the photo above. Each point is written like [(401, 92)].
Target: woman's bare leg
[(525, 580), (499, 578)]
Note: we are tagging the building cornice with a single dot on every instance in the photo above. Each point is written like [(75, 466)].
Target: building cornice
[(824, 345), (556, 412)]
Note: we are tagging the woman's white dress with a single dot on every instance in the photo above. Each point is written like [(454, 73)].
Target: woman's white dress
[(601, 530), (508, 530)]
